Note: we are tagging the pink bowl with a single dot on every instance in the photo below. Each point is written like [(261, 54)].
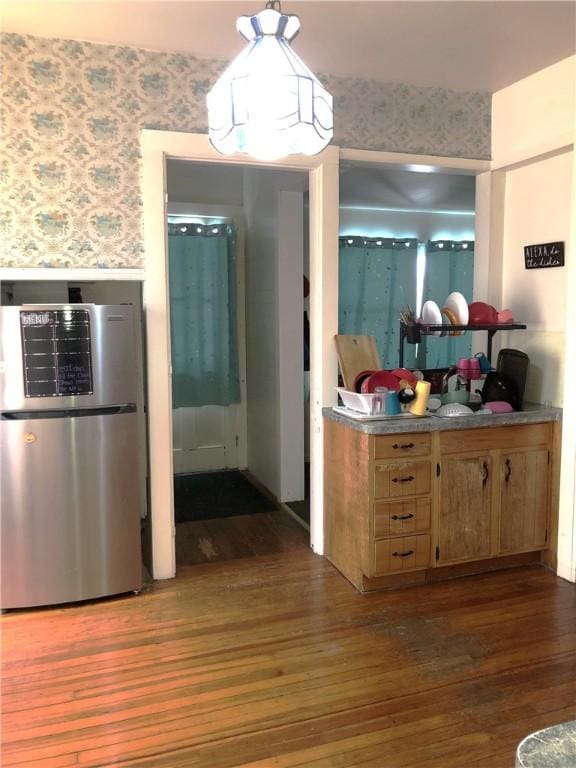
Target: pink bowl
[(499, 406), (505, 316)]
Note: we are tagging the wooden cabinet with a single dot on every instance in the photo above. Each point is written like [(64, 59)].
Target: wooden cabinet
[(378, 510), (405, 554), (524, 479), (464, 509), (494, 501), (401, 478), (404, 508), (401, 518), (399, 503)]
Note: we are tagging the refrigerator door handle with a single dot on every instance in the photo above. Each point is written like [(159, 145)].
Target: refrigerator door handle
[(69, 413)]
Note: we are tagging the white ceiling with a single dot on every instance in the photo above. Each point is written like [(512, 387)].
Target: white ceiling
[(452, 44)]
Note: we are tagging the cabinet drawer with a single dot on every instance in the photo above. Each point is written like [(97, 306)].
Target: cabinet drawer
[(403, 478), (488, 438), (406, 554), (397, 518), (398, 446)]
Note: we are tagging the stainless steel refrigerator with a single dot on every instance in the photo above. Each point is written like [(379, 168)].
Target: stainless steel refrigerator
[(70, 460)]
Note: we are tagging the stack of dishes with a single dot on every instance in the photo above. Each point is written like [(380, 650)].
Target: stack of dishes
[(454, 312), (431, 315)]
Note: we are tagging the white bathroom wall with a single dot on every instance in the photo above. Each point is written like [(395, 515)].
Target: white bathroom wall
[(273, 206), (290, 343)]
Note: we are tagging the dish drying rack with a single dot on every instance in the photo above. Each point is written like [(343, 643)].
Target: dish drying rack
[(412, 333)]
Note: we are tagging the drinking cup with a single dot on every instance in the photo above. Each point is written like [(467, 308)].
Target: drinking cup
[(392, 404), (464, 367), (474, 368)]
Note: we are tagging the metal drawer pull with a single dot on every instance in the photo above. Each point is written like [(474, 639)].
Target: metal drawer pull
[(403, 479), (402, 517), (403, 446), (485, 473), (508, 469), (403, 554)]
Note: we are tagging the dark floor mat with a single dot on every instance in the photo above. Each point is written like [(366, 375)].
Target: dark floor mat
[(208, 495)]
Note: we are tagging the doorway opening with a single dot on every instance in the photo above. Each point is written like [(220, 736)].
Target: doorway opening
[(406, 237), (235, 264)]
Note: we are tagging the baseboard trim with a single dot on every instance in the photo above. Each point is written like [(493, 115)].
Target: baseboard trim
[(268, 493)]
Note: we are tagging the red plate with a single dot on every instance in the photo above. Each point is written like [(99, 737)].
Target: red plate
[(360, 379), (405, 374), (380, 379)]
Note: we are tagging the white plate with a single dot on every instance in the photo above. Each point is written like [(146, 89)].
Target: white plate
[(457, 303), (431, 315)]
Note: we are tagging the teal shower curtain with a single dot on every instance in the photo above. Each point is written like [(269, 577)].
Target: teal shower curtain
[(202, 278), (377, 277), (449, 267)]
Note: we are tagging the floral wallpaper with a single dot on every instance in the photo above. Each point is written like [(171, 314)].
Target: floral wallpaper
[(71, 115)]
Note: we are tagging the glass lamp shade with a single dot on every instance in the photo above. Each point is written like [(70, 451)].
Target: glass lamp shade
[(268, 103)]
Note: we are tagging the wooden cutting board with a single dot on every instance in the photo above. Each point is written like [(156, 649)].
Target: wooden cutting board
[(356, 354)]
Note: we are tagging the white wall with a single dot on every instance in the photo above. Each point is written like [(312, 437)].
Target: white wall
[(535, 114), (537, 210), (424, 226), (206, 183), (532, 130), (275, 380), (536, 204), (290, 343)]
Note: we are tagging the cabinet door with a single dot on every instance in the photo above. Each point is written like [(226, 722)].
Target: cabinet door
[(464, 509), (524, 500)]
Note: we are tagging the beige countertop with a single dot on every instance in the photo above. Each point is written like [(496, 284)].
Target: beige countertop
[(532, 414)]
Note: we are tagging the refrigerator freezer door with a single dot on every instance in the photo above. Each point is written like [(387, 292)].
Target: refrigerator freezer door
[(70, 509), (45, 340)]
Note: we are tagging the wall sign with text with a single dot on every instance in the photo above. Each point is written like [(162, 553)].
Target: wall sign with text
[(544, 255)]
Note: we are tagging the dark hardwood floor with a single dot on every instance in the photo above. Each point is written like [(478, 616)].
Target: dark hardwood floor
[(228, 538), (275, 661)]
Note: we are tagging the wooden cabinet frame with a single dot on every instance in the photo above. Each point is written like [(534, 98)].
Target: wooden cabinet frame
[(362, 536)]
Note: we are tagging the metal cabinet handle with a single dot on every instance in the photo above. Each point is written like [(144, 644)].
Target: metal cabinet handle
[(485, 473), (403, 446), (403, 479), (403, 554), (508, 464), (402, 517)]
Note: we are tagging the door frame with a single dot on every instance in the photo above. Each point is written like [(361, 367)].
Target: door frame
[(323, 170), (157, 147)]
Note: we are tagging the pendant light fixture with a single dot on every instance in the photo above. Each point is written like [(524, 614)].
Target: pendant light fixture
[(268, 103)]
